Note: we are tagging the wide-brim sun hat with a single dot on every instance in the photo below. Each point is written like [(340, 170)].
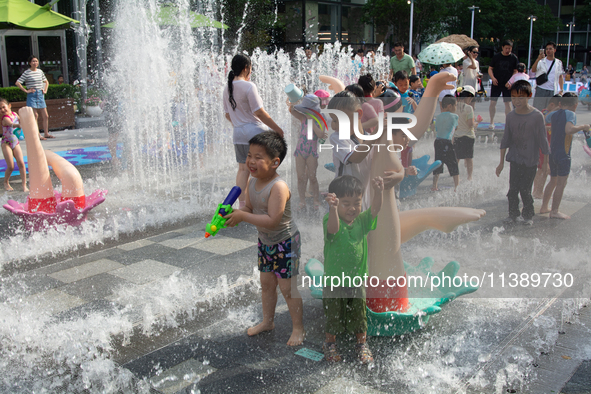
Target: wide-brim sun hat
[(309, 102)]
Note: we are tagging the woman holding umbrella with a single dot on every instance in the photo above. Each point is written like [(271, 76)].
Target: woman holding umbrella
[(36, 83)]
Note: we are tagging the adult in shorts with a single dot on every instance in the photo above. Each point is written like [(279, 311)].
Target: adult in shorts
[(244, 109), (502, 67)]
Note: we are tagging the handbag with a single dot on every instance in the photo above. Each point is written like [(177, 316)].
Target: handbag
[(543, 78)]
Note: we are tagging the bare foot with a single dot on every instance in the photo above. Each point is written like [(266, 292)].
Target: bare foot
[(261, 327), (544, 210), (297, 337), (559, 215), (7, 187), (25, 188), (47, 135), (435, 189)]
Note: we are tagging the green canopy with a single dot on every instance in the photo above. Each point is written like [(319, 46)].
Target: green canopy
[(22, 14), (169, 16)]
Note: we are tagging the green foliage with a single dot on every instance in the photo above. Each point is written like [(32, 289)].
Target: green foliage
[(497, 20), (257, 28), (14, 94)]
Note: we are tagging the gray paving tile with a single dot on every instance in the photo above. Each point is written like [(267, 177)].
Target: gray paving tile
[(183, 241), (86, 270), (28, 283), (76, 261), (52, 301), (186, 257), (96, 287), (103, 307), (144, 271), (344, 385), (223, 245), (145, 252), (135, 244), (165, 236)]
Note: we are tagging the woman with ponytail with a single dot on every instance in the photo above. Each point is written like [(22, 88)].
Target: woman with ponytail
[(244, 109)]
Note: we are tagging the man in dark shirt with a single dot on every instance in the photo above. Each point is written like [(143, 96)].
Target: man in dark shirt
[(502, 67)]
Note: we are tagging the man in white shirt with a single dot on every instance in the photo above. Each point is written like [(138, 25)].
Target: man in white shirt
[(555, 81)]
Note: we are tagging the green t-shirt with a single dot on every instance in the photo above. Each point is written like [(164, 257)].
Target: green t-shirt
[(346, 251), (405, 64)]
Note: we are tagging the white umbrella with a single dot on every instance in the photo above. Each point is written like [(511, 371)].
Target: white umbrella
[(441, 53)]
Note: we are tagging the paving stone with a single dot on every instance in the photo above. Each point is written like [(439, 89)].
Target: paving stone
[(180, 376), (53, 301), (28, 283), (144, 271), (223, 245), (86, 270), (135, 244), (96, 287), (152, 251), (166, 236), (186, 257), (183, 241), (104, 307)]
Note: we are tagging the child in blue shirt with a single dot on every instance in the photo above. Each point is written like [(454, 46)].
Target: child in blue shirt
[(563, 123), (401, 85), (416, 88), (445, 124)]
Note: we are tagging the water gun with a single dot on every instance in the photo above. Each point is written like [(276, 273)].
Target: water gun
[(19, 133), (218, 222)]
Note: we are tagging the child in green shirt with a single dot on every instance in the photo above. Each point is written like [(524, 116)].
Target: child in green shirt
[(345, 262)]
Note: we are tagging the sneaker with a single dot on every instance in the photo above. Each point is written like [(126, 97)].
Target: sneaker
[(363, 353), (330, 352), (509, 220), (519, 219), (528, 222)]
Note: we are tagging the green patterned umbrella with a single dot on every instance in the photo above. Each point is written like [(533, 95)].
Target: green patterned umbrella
[(441, 53)]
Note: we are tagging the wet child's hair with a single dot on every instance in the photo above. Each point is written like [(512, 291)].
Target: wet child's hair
[(367, 83), (346, 186), (521, 87), (345, 101), (274, 144), (554, 100), (521, 67), (392, 100), (448, 100), (4, 101), (568, 100), (413, 78), (356, 89), (400, 75)]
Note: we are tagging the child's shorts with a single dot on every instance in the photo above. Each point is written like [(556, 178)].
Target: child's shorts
[(241, 152), (345, 315), (559, 166), (444, 151), (464, 147), (283, 258)]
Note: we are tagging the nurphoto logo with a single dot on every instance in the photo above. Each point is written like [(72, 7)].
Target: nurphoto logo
[(345, 128)]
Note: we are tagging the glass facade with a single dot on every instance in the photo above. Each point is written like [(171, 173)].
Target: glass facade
[(317, 22)]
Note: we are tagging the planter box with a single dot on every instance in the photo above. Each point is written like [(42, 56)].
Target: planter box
[(61, 113)]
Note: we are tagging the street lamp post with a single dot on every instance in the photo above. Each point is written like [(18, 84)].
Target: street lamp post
[(473, 8), (570, 32), (531, 18), (412, 7)]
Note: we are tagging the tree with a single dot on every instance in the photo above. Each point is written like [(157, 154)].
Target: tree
[(497, 20)]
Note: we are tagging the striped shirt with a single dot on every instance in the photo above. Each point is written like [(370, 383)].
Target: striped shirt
[(33, 79)]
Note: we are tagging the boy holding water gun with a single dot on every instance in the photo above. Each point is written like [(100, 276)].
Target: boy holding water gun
[(268, 207)]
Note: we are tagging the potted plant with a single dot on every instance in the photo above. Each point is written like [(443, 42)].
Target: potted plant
[(92, 106)]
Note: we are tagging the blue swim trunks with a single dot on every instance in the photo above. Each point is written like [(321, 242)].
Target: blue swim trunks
[(559, 166), (36, 99)]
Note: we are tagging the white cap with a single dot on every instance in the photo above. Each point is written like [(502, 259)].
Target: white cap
[(469, 88)]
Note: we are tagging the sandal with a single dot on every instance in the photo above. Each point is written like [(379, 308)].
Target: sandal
[(363, 353), (330, 352)]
